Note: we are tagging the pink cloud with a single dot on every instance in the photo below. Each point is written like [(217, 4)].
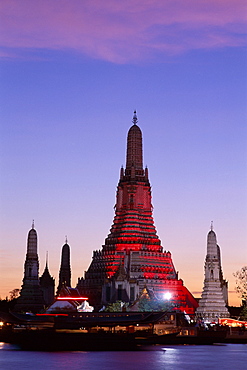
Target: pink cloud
[(122, 31)]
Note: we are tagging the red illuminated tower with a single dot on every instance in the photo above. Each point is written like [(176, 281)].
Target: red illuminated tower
[(132, 257)]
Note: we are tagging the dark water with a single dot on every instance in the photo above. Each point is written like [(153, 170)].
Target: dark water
[(229, 356)]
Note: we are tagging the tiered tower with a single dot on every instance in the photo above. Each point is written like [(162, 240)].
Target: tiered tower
[(214, 296), (31, 296), (65, 270), (132, 257)]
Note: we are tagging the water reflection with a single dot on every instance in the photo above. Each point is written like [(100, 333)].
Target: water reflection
[(226, 357)]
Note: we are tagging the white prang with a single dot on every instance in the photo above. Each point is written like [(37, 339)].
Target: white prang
[(212, 304)]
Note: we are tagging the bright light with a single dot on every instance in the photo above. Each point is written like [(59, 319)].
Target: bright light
[(52, 314), (71, 298), (1, 323), (167, 296)]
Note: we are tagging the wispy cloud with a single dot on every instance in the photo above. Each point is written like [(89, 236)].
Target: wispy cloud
[(125, 31)]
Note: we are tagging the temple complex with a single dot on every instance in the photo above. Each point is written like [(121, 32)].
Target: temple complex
[(214, 299), (31, 295), (131, 266), (132, 257)]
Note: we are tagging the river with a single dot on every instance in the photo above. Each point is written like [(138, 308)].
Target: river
[(166, 357)]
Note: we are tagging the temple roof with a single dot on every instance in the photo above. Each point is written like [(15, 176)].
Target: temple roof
[(46, 278)]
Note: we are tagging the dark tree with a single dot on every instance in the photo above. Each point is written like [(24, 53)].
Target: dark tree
[(14, 293), (241, 283), (241, 288), (149, 305), (117, 306)]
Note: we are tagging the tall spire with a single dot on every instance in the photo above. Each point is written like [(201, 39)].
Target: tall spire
[(46, 260), (32, 243), (134, 147), (211, 244), (31, 297), (65, 270)]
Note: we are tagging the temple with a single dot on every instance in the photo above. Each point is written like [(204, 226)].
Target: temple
[(132, 257), (31, 295), (212, 304)]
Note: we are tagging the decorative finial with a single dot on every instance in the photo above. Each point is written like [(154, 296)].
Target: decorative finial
[(212, 226), (66, 239), (33, 224), (46, 259), (135, 120)]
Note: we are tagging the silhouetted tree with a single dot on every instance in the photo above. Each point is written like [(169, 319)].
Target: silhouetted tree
[(241, 283), (149, 305), (241, 288), (117, 306), (14, 293), (243, 313), (7, 305)]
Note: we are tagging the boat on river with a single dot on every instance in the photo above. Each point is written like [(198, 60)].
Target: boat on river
[(107, 331)]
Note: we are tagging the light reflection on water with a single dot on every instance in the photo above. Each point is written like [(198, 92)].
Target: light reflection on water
[(229, 356)]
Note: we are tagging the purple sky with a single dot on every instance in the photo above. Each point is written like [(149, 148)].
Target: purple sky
[(72, 73)]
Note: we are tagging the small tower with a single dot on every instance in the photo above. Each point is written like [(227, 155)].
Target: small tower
[(47, 284), (213, 303), (65, 271), (31, 296)]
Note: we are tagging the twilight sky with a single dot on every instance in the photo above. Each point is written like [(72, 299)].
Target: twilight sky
[(72, 73)]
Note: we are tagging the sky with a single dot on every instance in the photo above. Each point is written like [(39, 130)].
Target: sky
[(72, 73)]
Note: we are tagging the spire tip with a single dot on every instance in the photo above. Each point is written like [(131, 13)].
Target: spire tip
[(135, 120), (46, 259)]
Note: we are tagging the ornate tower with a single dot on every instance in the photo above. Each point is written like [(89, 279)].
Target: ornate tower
[(133, 246), (47, 284), (214, 296), (65, 271), (31, 296)]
